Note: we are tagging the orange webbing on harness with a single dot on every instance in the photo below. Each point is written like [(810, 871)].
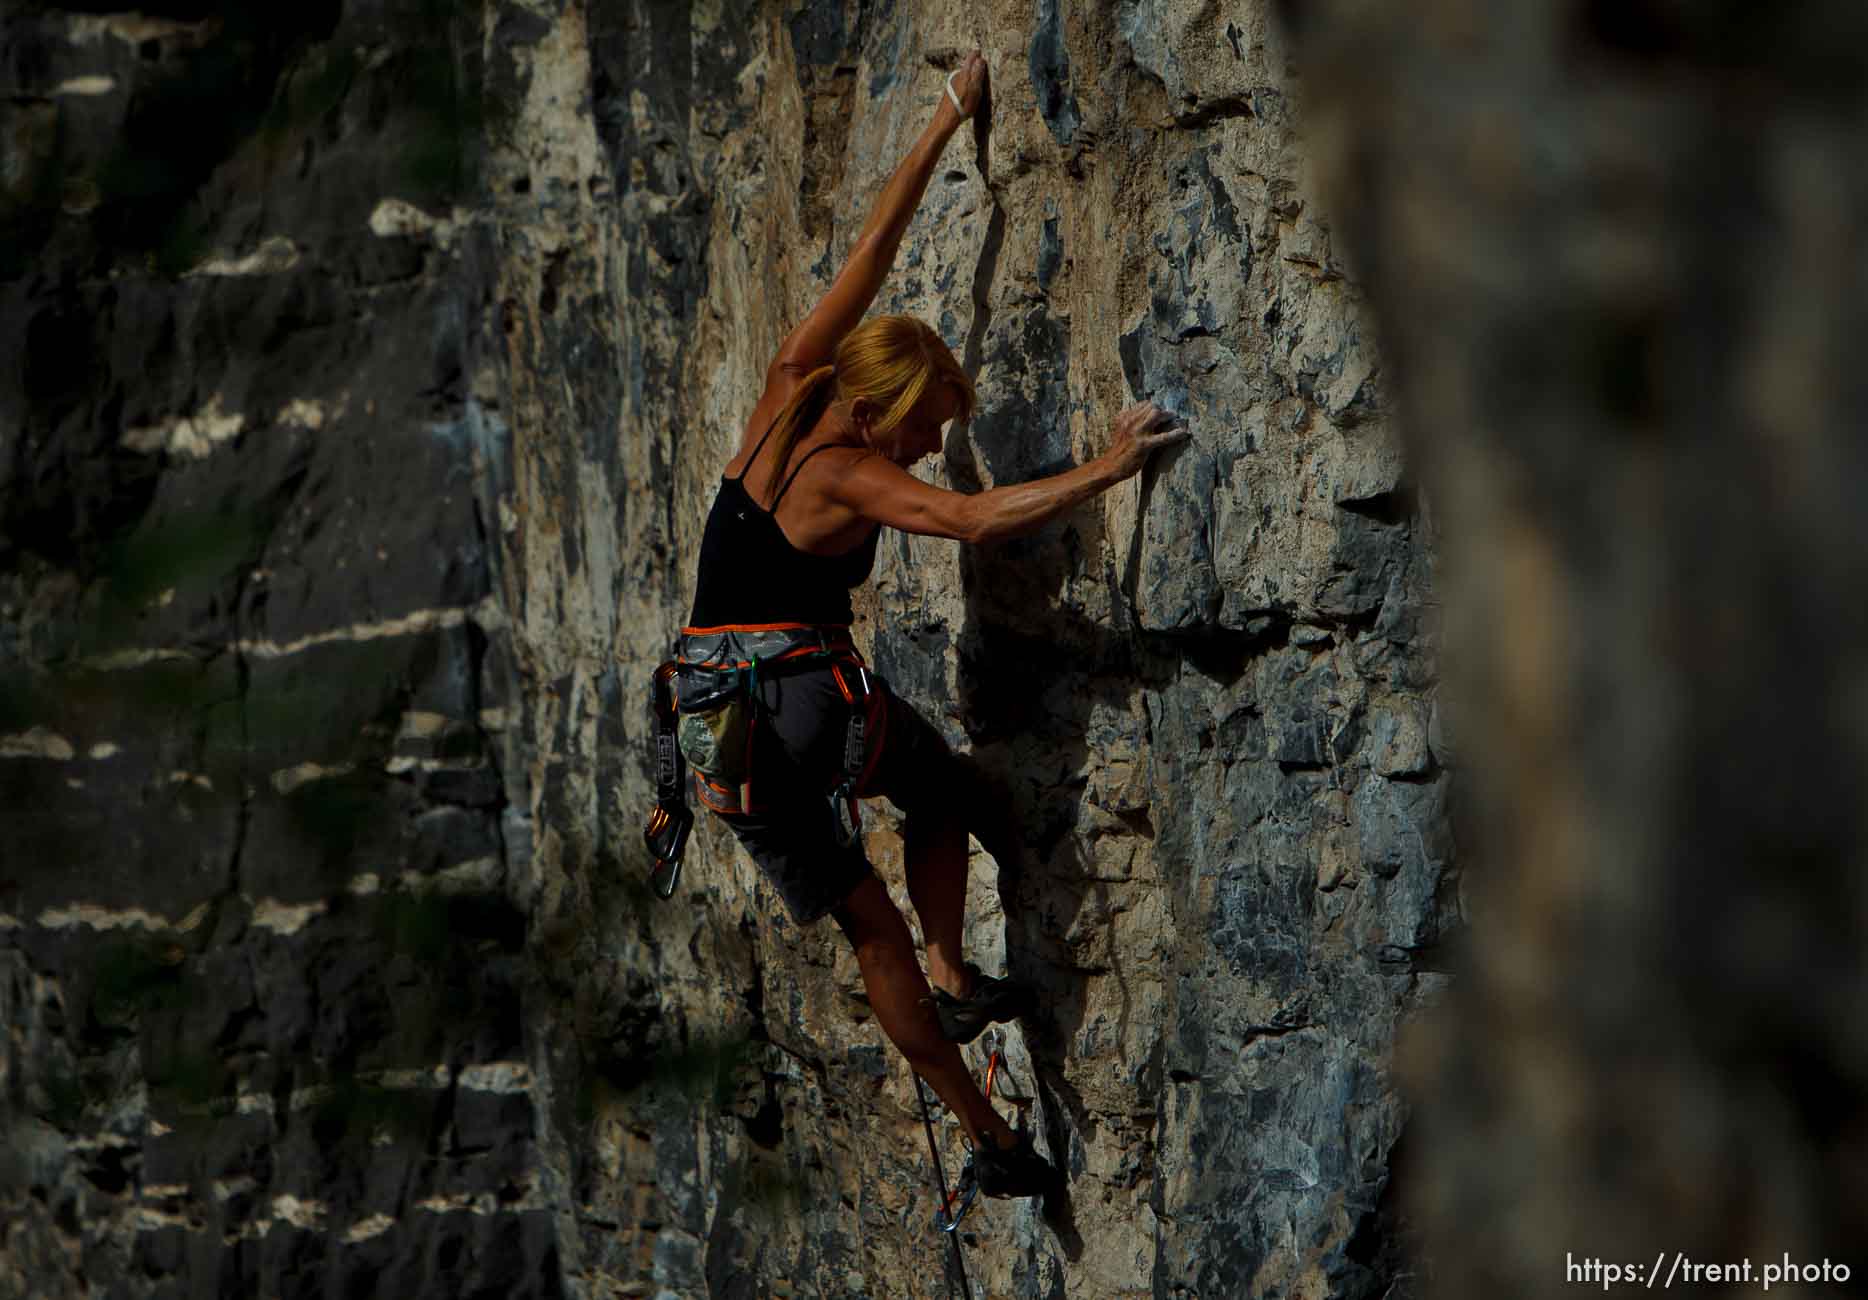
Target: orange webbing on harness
[(745, 653), (832, 639), (768, 627)]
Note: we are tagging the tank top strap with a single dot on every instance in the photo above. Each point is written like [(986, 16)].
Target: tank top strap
[(793, 478), (757, 448)]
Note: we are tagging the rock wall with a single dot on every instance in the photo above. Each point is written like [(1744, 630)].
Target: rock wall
[(1208, 697), (358, 459), (262, 951)]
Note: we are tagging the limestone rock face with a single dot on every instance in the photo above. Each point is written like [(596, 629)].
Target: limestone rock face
[(1204, 696), (262, 951), (357, 469)]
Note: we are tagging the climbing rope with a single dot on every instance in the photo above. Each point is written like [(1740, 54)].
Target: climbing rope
[(942, 1220), (965, 1188)]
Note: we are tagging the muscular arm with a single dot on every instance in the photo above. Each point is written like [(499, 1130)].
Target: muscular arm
[(872, 488), (879, 490), (814, 340)]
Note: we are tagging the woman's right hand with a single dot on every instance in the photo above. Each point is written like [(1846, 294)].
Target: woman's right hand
[(1138, 431)]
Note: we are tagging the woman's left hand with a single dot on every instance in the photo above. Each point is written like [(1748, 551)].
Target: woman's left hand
[(969, 85)]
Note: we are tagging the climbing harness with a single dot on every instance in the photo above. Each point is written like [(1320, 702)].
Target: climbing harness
[(706, 709)]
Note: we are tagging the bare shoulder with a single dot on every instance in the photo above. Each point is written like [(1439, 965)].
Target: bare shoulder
[(852, 467), (829, 473), (832, 464)]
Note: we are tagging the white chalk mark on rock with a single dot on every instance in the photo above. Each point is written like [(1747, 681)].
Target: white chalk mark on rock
[(285, 918), (193, 436), (481, 1203), (144, 1219), (272, 256), (288, 779), (506, 1077), (399, 217), (363, 1229), (299, 1213), (402, 763), (486, 613), (39, 742), (85, 86), (303, 413), (101, 918)]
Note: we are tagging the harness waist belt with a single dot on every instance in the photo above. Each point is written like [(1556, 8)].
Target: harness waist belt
[(707, 712), (744, 645)]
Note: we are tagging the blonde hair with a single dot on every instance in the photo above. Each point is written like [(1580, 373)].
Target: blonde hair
[(890, 360)]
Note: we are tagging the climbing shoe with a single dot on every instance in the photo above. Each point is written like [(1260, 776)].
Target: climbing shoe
[(964, 1019), (1016, 1170)]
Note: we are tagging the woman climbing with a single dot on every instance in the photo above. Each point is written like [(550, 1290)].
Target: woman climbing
[(848, 406)]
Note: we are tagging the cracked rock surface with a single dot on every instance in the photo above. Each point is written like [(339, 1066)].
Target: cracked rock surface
[(261, 919), (1204, 697), (357, 468)]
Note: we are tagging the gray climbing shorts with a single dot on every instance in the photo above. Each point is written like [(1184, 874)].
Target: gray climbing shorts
[(798, 754)]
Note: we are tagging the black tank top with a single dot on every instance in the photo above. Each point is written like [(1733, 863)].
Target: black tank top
[(751, 573)]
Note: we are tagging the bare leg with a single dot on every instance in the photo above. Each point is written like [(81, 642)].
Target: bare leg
[(934, 841), (898, 993)]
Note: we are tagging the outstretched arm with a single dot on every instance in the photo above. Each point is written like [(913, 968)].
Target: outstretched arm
[(882, 491), (811, 344)]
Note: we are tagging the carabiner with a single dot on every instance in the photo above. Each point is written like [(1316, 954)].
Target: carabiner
[(667, 837), (965, 1191)]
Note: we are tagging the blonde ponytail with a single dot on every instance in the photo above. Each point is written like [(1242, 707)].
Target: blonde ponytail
[(890, 360), (807, 403)]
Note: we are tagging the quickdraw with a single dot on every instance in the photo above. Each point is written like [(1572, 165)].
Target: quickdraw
[(941, 1218), (670, 820), (954, 1204), (845, 811)]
